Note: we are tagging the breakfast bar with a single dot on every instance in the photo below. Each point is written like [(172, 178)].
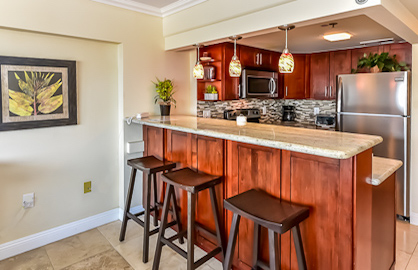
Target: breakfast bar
[(330, 172)]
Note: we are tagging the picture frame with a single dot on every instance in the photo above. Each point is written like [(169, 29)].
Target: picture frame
[(37, 93)]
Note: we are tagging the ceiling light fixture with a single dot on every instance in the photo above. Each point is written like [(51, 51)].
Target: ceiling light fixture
[(198, 68), (286, 61), (337, 36), (235, 64)]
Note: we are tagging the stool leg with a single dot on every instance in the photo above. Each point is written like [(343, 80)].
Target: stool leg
[(299, 247), (177, 215), (163, 224), (274, 250), (147, 199), (216, 218), (156, 208), (127, 205), (233, 234), (191, 204), (256, 245)]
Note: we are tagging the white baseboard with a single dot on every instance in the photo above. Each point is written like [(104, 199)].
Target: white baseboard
[(413, 218)]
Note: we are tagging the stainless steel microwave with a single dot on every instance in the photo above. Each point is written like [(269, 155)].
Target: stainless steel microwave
[(257, 83)]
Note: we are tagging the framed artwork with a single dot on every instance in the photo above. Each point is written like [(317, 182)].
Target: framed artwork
[(36, 93)]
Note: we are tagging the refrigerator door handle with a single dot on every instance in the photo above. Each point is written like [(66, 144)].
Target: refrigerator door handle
[(339, 94)]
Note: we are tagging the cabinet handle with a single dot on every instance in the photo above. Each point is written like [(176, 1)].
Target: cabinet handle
[(326, 91), (330, 91), (286, 91), (256, 61), (261, 59)]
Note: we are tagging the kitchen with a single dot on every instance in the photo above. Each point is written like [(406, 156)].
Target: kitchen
[(173, 32)]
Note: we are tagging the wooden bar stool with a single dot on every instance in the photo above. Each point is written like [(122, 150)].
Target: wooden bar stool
[(151, 166), (192, 182), (275, 215)]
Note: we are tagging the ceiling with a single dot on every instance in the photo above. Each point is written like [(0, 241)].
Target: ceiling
[(159, 8), (309, 39), (411, 5)]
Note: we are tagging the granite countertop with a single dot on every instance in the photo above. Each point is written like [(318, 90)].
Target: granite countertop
[(383, 168), (332, 144)]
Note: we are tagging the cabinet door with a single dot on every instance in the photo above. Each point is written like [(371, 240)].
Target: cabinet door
[(320, 76), (294, 83), (356, 54), (255, 58), (403, 52), (339, 63)]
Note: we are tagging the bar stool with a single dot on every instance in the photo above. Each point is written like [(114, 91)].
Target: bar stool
[(275, 215), (192, 182), (151, 166)]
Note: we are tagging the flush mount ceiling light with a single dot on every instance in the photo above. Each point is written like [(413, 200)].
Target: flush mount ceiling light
[(337, 36), (198, 68), (235, 64), (286, 61)]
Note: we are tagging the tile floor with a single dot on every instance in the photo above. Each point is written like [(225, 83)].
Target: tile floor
[(100, 249)]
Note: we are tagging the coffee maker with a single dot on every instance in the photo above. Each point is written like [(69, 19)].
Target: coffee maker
[(289, 113)]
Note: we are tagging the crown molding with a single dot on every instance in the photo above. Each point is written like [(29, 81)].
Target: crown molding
[(151, 10)]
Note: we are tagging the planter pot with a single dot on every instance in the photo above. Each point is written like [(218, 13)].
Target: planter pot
[(211, 96), (165, 109)]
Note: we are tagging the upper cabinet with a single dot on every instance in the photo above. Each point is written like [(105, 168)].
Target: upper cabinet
[(296, 84), (255, 58), (325, 67)]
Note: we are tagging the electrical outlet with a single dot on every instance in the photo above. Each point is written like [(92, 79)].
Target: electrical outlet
[(264, 110), (87, 187), (315, 110), (28, 200)]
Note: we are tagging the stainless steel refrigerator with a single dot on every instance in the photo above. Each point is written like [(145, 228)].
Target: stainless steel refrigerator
[(379, 104)]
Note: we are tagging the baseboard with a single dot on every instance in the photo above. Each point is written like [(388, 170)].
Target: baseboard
[(133, 210), (413, 219), (40, 239)]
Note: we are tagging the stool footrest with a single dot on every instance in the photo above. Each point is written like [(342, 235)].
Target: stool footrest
[(176, 248), (178, 235), (207, 257), (262, 265)]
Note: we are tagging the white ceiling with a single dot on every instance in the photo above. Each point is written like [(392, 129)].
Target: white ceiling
[(308, 39), (159, 8), (412, 6)]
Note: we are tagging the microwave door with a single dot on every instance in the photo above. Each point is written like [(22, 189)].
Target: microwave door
[(258, 86)]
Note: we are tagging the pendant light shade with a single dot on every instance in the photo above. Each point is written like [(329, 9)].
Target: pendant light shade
[(198, 68), (235, 64), (286, 61)]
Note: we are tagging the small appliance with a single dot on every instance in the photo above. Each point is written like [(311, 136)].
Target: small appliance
[(289, 113), (253, 115), (258, 83)]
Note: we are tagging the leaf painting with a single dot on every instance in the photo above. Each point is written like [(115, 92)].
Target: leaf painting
[(36, 94)]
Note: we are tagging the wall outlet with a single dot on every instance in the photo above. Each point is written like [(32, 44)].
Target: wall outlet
[(28, 200), (206, 113), (315, 110), (87, 187), (264, 110)]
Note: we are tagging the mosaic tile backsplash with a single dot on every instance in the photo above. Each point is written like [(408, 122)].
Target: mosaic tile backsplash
[(304, 108)]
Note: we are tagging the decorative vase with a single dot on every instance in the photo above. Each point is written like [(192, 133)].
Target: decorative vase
[(374, 69), (209, 96), (165, 109)]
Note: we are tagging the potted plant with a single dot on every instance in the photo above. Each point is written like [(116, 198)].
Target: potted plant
[(211, 93), (379, 63), (164, 95)]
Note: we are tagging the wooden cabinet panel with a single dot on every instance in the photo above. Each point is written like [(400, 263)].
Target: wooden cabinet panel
[(320, 184), (403, 52), (256, 58), (356, 54), (339, 63), (294, 84), (319, 76), (250, 166)]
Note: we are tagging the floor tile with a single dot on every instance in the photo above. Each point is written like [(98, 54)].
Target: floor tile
[(76, 248), (402, 260), (108, 260), (112, 231), (36, 259)]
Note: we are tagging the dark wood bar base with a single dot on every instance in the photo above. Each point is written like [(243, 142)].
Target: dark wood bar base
[(341, 231)]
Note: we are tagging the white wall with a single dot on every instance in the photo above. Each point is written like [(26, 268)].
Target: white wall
[(119, 53), (414, 138)]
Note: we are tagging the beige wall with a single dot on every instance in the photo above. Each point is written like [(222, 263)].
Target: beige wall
[(118, 54), (414, 137)]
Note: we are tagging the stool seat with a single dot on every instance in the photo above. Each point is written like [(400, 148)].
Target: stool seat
[(266, 210), (190, 181), (151, 164)]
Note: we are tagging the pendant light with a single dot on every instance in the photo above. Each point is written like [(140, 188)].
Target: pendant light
[(235, 64), (286, 61), (198, 68)]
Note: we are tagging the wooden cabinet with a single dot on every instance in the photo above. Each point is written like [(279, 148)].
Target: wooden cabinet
[(255, 58), (296, 84), (325, 67), (226, 86)]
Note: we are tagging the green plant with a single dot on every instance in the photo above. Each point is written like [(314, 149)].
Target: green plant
[(164, 91), (383, 62), (211, 89)]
